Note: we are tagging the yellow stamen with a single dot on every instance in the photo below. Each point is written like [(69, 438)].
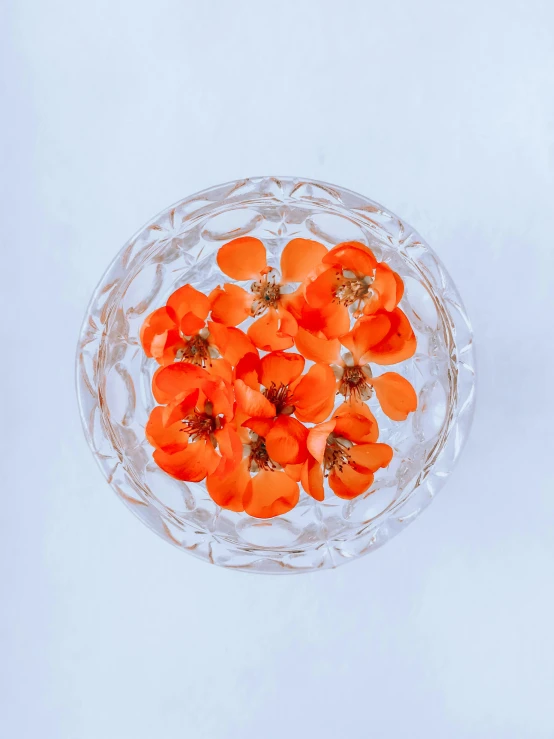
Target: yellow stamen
[(354, 384), (267, 295)]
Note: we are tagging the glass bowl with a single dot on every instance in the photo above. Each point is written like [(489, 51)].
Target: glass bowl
[(114, 375)]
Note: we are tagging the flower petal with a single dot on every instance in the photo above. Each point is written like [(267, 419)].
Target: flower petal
[(191, 324), (260, 426), (239, 418), (228, 491), (321, 291), (399, 344), (399, 287), (353, 256), (174, 381), (164, 347), (180, 409), (221, 368), (314, 396), (312, 479), (160, 336), (158, 323), (348, 483), (287, 323), (170, 438), (224, 467), (294, 302), (383, 290), (286, 441), (294, 471), (220, 394), (264, 333), (333, 319), (238, 345), (316, 349), (270, 494), (229, 443), (231, 305), (281, 368), (192, 464), (218, 336), (317, 438), (359, 409), (355, 427), (370, 456), (231, 342), (243, 258), (299, 258), (367, 332), (189, 300), (252, 402), (249, 370), (395, 394)]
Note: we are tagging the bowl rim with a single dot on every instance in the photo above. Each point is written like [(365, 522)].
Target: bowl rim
[(123, 259)]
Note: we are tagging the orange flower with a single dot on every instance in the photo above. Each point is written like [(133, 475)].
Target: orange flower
[(355, 377), (166, 332), (258, 485), (344, 450), (179, 331), (270, 390), (383, 338), (245, 259), (352, 278), (238, 421), (318, 329), (193, 435)]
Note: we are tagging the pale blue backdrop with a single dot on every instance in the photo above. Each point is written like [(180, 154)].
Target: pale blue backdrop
[(443, 112)]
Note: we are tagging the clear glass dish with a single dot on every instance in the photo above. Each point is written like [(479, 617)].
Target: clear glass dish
[(114, 375)]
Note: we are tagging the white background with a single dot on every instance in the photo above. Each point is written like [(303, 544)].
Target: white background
[(444, 112)]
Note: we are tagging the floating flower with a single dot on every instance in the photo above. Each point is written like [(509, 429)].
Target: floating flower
[(345, 451), (258, 486), (269, 391), (352, 279), (193, 435), (355, 377), (318, 330), (267, 299), (237, 420), (383, 338), (179, 331)]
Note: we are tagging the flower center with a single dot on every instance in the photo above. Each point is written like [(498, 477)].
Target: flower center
[(352, 289), (267, 294), (196, 351), (259, 457), (279, 396), (354, 383), (201, 426), (336, 455)]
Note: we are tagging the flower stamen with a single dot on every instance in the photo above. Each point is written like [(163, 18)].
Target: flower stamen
[(259, 458), (352, 289), (336, 455), (200, 425), (354, 384), (196, 351), (267, 294), (279, 396)]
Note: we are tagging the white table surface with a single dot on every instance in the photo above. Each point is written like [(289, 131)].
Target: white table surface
[(444, 112)]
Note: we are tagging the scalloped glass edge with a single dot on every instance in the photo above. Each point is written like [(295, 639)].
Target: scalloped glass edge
[(201, 541)]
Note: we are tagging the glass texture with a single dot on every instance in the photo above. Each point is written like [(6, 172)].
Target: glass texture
[(114, 375)]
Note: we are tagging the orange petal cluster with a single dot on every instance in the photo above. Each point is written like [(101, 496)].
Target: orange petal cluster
[(256, 420)]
